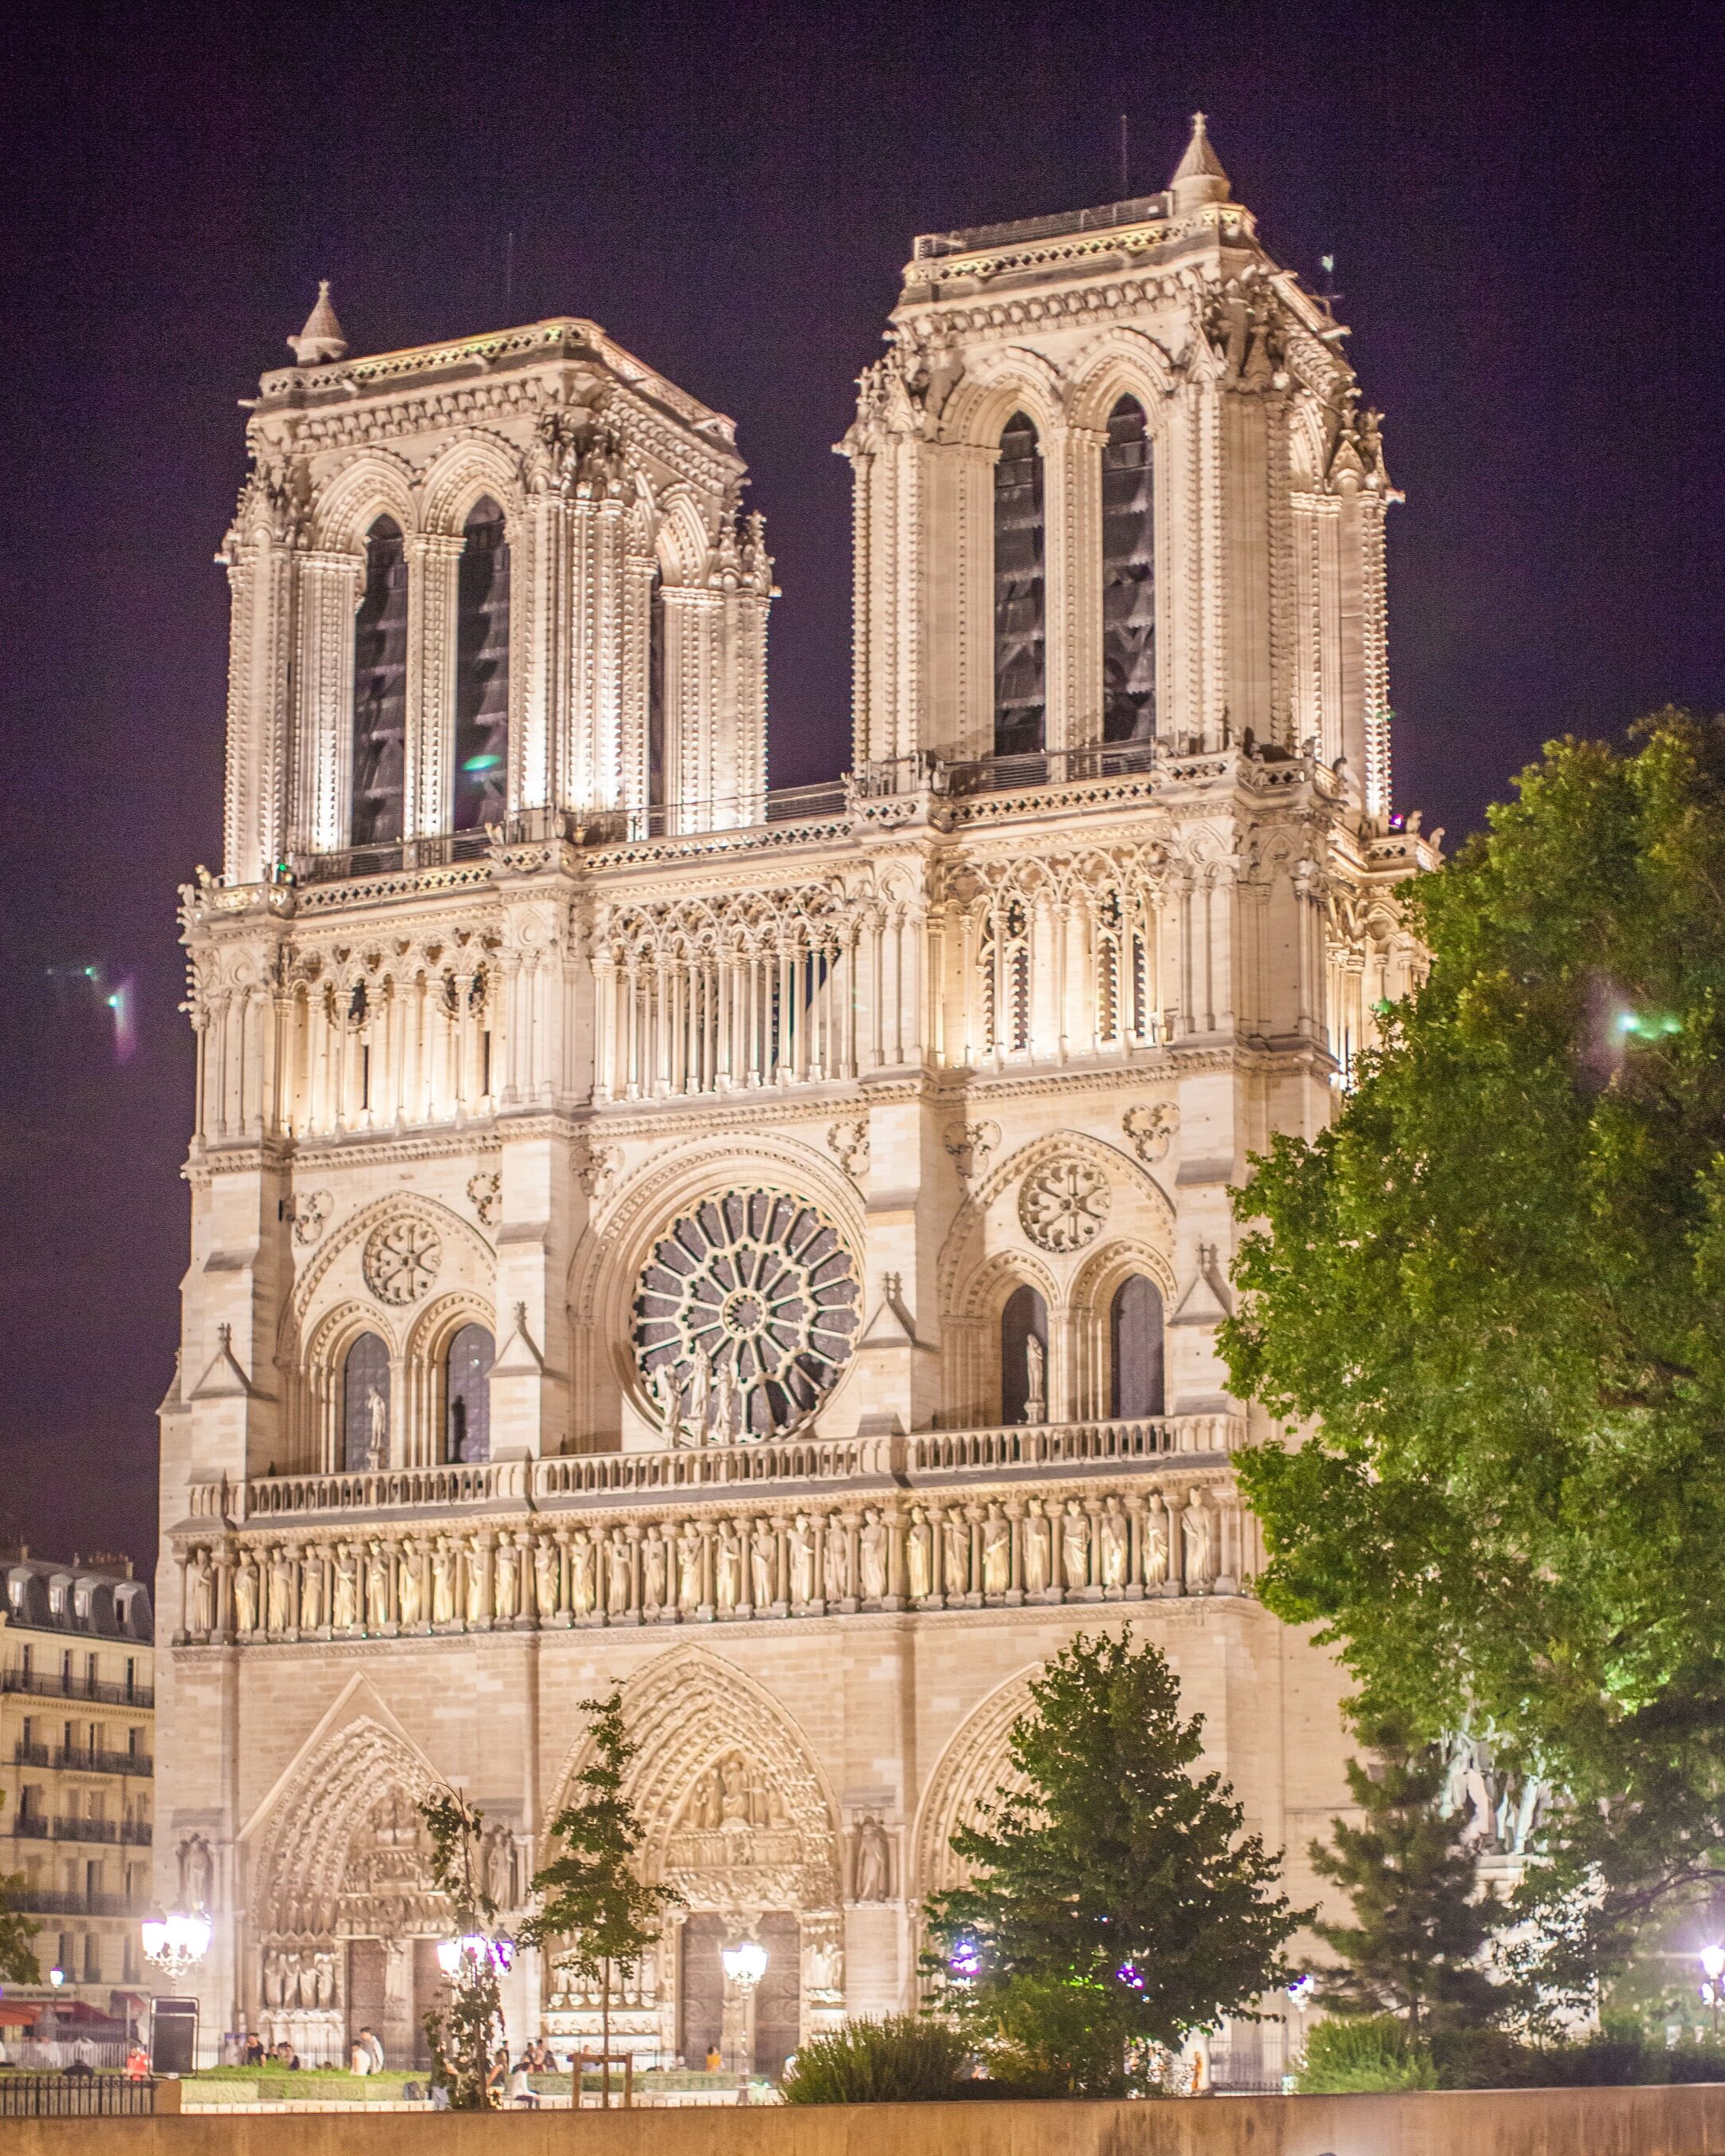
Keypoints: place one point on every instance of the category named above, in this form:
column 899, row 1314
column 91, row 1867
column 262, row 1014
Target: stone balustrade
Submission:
column 637, row 1477
column 913, row 1528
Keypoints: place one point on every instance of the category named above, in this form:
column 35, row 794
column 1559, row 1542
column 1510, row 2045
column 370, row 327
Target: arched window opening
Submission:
column 380, row 690
column 1135, row 1345
column 482, row 670
column 1024, row 1358
column 1020, row 596
column 365, row 1406
column 467, row 1394
column 655, row 693
column 1128, row 577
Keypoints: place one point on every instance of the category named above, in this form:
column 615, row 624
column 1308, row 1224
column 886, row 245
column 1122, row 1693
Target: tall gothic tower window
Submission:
column 1128, row 577
column 1024, row 1368
column 482, row 671
column 655, row 693
column 1135, row 1325
column 1021, row 593
column 380, row 689
column 365, row 1405
column 467, row 1394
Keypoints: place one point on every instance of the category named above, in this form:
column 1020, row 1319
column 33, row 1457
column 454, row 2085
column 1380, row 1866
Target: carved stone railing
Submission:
column 955, row 1519
column 570, row 1479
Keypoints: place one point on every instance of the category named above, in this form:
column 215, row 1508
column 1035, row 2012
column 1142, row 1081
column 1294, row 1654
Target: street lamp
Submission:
column 1712, row 1964
column 176, row 1942
column 744, row 1966
column 1300, row 1991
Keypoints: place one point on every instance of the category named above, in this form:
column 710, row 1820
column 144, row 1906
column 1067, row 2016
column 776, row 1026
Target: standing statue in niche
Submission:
column 725, row 1404
column 583, row 1594
column 654, row 1567
column 499, row 1870
column 618, row 1567
column 545, row 1569
column 1037, row 1560
column 200, row 1594
column 801, row 1543
column 1155, row 1565
column 872, row 1861
column 919, row 1557
column 763, row 1565
column 407, row 1585
column 443, row 1584
column 377, row 1429
column 955, row 1556
column 245, row 1596
column 378, row 1586
column 1035, row 1380
column 727, row 1580
column 505, row 1593
column 1075, row 1547
column 701, row 1393
column 667, row 1398
column 1196, row 1527
column 476, row 1596
column 198, row 1874
column 996, row 1556
column 837, row 1564
column 871, row 1544
column 1114, row 1545
column 311, row 1591
column 689, row 1569
column 346, row 1598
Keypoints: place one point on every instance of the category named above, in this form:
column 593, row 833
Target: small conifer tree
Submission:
column 1116, row 1905
column 598, row 1916
column 1412, row 1949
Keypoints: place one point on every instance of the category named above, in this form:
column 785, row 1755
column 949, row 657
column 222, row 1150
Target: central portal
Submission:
column 777, row 1999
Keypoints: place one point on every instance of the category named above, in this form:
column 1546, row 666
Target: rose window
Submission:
column 745, row 1315
column 401, row 1261
column 1062, row 1205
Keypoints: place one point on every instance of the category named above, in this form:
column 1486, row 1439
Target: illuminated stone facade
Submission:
column 764, row 1250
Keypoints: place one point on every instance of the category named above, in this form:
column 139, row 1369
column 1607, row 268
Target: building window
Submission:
column 1128, row 577
column 1024, row 1358
column 482, row 671
column 380, row 690
column 1020, row 608
column 468, row 1392
column 655, row 693
column 1135, row 1323
column 365, row 1405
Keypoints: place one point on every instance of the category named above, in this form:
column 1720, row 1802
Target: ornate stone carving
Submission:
column 310, row 1212
column 746, row 1314
column 1063, row 1205
column 401, row 1260
column 850, row 1141
column 485, row 1193
column 970, row 1145
column 1151, row 1127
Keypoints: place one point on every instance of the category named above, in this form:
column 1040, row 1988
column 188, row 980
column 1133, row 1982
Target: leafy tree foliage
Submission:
column 1413, row 1947
column 903, row 2058
column 598, row 1915
column 1496, row 1285
column 1116, row 1904
column 463, row 2036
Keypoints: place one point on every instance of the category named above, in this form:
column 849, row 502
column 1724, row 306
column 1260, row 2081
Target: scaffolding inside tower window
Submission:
column 1128, row 577
column 380, row 690
column 1021, row 593
column 482, row 671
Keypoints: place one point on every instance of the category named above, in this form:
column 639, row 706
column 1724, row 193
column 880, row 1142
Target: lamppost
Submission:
column 1300, row 1991
column 744, row 1966
column 1712, row 1964
column 176, row 1942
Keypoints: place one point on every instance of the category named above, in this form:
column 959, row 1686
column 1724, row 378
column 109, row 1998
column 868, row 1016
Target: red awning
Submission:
column 14, row 2013
column 78, row 2009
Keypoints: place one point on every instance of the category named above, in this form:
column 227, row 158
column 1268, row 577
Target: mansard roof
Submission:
column 101, row 1601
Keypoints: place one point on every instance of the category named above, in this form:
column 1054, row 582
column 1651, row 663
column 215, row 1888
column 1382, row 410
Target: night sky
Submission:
column 1522, row 205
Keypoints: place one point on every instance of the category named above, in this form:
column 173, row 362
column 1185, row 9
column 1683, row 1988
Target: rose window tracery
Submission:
column 1061, row 1206
column 746, row 1314
column 401, row 1261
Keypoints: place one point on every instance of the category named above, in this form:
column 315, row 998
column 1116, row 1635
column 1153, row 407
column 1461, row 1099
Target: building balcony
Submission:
column 55, row 1684
column 87, row 1760
column 33, row 1902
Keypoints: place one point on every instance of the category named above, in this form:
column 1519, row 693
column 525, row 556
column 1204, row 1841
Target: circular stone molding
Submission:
column 1062, row 1206
column 745, row 1315
column 401, row 1261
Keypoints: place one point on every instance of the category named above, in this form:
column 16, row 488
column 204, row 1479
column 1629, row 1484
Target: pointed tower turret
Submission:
column 1198, row 177
column 322, row 339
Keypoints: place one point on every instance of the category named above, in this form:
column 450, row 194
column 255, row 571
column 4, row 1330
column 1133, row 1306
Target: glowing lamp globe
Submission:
column 746, row 1964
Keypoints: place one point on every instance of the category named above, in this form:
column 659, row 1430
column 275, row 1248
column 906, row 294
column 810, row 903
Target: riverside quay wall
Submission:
column 1637, row 2122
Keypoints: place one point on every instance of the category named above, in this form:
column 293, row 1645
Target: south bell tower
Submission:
column 761, row 1249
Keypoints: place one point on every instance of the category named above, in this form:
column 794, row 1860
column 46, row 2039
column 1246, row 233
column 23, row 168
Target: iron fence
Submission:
column 76, row 2096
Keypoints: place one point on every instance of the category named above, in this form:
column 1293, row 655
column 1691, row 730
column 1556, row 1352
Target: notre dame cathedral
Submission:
column 761, row 1249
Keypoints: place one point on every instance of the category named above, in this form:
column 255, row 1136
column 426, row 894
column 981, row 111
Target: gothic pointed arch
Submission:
column 378, row 481
column 737, row 1813
column 970, row 1771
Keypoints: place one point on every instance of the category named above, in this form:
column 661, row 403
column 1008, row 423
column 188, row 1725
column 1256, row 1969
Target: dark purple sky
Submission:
column 1522, row 202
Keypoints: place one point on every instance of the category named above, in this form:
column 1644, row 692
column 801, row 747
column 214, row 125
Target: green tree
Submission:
column 1495, row 1286
column 17, row 1960
column 464, row 2035
column 1414, row 1943
column 1116, row 1904
column 598, row 1915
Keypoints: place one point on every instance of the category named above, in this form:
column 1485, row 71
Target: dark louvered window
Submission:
column 1020, row 608
column 482, row 671
column 655, row 694
column 1136, row 1324
column 365, row 1405
column 468, row 1392
column 1128, row 577
column 380, row 689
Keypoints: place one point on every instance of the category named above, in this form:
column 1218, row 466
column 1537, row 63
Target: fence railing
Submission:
column 34, row 1902
column 75, row 2095
column 91, row 1760
column 55, row 1684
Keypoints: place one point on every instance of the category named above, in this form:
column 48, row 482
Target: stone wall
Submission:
column 1650, row 2121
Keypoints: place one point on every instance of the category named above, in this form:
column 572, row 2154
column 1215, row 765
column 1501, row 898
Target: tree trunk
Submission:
column 605, row 2037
